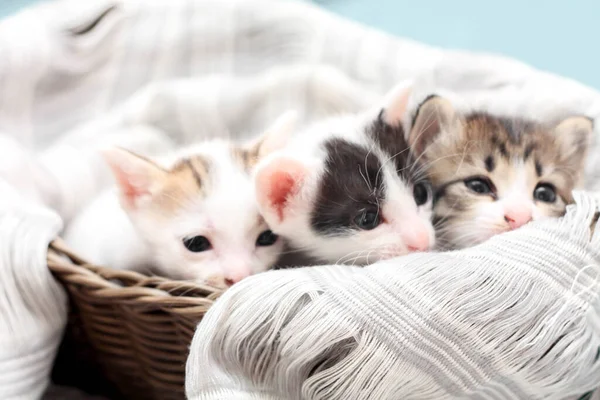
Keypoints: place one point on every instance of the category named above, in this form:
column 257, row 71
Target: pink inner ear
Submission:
column 129, row 191
column 279, row 182
column 282, row 185
column 396, row 105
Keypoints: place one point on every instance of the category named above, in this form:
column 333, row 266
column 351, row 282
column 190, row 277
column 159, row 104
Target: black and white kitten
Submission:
column 347, row 189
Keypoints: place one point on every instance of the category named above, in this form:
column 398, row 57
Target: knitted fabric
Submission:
column 517, row 317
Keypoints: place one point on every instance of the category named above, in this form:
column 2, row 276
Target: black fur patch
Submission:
column 494, row 139
column 528, row 151
column 538, row 168
column 392, row 141
column 414, row 118
column 502, row 150
column 489, row 163
column 349, row 184
column 195, row 173
column 512, row 128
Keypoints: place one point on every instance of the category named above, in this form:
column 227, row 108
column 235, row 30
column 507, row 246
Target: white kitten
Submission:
column 193, row 216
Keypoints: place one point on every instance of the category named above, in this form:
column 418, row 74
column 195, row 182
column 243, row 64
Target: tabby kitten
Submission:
column 493, row 174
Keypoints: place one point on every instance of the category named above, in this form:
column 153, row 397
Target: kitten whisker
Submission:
column 350, row 256
column 388, row 160
column 428, row 124
column 366, row 169
column 429, row 163
column 365, row 179
column 359, row 255
column 295, row 250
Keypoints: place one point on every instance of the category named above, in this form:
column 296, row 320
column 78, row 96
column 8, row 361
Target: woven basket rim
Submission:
column 126, row 329
column 176, row 296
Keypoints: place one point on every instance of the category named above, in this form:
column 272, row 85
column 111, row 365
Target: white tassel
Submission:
column 33, row 306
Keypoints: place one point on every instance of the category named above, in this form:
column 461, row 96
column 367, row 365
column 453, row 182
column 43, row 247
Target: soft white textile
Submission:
column 149, row 75
column 517, row 317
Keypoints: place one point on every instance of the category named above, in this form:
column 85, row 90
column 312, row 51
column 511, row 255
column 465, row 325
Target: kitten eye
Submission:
column 545, row 192
column 421, row 192
column 266, row 238
column 479, row 185
column 197, row 244
column 367, row 220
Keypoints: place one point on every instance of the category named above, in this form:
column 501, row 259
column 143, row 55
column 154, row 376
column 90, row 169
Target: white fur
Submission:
column 105, row 234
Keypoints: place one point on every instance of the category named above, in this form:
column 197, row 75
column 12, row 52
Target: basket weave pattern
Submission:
column 139, row 327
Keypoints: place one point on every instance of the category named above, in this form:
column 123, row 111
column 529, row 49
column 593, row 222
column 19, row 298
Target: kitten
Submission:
column 493, row 174
column 346, row 190
column 192, row 216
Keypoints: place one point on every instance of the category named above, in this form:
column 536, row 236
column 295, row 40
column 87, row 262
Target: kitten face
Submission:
column 198, row 213
column 347, row 190
column 492, row 174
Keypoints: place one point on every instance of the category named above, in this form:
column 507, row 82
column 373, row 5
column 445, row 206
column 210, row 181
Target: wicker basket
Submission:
column 135, row 329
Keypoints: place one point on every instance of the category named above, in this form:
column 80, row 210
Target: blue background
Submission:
column 10, row 6
column 556, row 36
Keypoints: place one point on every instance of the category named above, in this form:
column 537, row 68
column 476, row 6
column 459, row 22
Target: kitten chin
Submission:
column 494, row 174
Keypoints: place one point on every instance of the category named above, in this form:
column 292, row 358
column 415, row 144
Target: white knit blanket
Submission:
column 517, row 317
column 150, row 75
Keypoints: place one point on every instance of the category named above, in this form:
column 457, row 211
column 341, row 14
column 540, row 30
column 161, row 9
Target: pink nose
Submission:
column 416, row 237
column 517, row 219
column 234, row 275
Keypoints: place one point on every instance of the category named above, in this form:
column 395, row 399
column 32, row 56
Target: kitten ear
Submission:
column 434, row 116
column 395, row 103
column 573, row 136
column 277, row 135
column 135, row 176
column 278, row 183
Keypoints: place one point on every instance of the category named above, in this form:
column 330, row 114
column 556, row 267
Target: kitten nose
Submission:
column 516, row 219
column 416, row 237
column 229, row 282
column 236, row 274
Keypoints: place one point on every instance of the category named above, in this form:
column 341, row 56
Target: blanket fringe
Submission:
column 515, row 318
